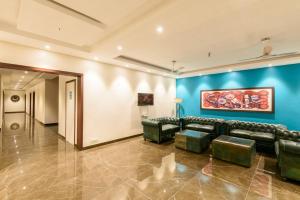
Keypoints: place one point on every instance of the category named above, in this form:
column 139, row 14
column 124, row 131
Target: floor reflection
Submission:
column 36, row 163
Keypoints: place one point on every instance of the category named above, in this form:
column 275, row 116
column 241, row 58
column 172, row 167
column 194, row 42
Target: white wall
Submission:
column 62, row 103
column 39, row 90
column 46, row 101
column 9, row 105
column 1, row 102
column 110, row 92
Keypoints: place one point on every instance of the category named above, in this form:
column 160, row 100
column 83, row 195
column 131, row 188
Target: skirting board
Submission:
column 14, row 112
column 112, row 141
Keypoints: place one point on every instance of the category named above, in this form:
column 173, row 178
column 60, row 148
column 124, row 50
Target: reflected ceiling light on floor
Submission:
column 200, row 74
column 120, row 48
column 230, row 70
column 26, row 72
column 127, row 65
column 96, row 58
column 22, row 76
column 47, row 47
column 159, row 29
column 270, row 65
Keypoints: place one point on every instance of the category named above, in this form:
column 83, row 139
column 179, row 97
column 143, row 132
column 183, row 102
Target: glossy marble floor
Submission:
column 35, row 163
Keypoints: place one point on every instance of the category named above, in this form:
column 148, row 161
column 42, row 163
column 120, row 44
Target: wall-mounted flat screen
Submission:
column 145, row 99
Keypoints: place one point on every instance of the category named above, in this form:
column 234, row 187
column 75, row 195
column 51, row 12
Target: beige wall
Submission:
column 110, row 92
column 10, row 106
column 51, row 103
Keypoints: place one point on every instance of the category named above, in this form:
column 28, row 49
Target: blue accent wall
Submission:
column 285, row 80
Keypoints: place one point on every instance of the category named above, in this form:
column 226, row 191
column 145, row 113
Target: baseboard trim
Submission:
column 14, row 112
column 51, row 124
column 110, row 142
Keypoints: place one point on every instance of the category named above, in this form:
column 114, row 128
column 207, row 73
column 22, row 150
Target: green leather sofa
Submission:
column 160, row 129
column 287, row 149
column 263, row 134
column 213, row 126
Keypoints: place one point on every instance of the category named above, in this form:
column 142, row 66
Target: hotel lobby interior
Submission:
column 149, row 99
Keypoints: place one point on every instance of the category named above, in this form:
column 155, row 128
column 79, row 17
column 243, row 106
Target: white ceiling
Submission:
column 231, row 30
column 21, row 80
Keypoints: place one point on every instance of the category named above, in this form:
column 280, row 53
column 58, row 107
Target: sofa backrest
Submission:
column 201, row 120
column 167, row 120
column 254, row 126
column 288, row 135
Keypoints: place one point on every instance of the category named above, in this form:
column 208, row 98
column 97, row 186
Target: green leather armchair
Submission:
column 263, row 134
column 213, row 126
column 160, row 129
column 287, row 149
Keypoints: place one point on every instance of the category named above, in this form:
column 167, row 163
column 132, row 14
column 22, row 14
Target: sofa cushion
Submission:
column 289, row 146
column 241, row 133
column 169, row 127
column 261, row 136
column 205, row 128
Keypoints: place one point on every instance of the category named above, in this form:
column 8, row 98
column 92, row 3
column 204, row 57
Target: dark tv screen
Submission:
column 145, row 99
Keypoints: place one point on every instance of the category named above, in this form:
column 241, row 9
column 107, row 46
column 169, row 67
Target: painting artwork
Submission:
column 145, row 99
column 244, row 99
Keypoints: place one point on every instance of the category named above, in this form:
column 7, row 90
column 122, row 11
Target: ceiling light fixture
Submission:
column 120, row 48
column 159, row 29
column 47, row 47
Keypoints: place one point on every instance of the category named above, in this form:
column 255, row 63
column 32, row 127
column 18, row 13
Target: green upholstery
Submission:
column 233, row 149
column 288, row 153
column 213, row 126
column 160, row 129
column 190, row 140
column 263, row 134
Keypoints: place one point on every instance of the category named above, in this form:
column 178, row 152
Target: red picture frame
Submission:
column 259, row 99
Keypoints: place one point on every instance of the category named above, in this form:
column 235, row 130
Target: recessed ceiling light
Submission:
column 47, row 47
column 148, row 70
column 270, row 65
column 96, row 58
column 22, row 76
column 120, row 48
column 159, row 29
column 26, row 72
column 127, row 65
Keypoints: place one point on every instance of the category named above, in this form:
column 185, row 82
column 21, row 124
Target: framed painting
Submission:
column 244, row 99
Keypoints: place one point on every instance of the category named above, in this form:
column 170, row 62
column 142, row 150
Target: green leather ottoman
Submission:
column 190, row 140
column 240, row 151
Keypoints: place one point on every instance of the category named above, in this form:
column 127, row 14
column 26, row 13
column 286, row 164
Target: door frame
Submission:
column 79, row 88
column 33, row 104
column 70, row 81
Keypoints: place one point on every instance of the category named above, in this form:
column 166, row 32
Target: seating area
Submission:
column 231, row 140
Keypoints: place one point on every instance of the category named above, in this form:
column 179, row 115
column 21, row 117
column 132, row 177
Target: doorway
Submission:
column 70, row 107
column 78, row 100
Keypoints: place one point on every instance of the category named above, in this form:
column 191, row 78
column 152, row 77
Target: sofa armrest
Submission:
column 147, row 122
column 288, row 146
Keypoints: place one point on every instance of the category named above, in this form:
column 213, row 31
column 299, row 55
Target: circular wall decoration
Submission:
column 15, row 98
column 14, row 126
